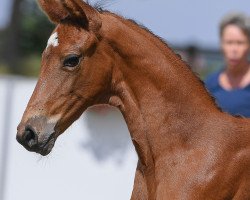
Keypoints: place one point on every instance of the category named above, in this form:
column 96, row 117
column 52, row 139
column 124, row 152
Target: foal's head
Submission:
column 75, row 74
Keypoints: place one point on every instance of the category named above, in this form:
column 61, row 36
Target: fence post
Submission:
column 6, row 136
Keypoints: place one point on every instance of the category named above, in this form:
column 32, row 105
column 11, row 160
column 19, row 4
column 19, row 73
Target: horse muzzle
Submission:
column 37, row 135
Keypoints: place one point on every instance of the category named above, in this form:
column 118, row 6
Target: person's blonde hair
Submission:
column 238, row 19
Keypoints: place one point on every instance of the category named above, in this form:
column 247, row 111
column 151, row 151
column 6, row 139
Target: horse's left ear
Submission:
column 83, row 13
column 54, row 10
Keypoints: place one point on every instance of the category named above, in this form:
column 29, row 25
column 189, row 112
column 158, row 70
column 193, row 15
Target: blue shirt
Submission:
column 235, row 102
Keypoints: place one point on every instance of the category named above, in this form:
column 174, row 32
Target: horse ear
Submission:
column 54, row 9
column 83, row 13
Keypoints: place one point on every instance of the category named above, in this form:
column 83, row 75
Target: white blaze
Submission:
column 53, row 40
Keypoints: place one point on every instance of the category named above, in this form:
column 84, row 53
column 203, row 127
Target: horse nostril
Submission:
column 30, row 137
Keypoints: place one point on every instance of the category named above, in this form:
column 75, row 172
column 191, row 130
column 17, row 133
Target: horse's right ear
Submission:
column 84, row 13
column 54, row 9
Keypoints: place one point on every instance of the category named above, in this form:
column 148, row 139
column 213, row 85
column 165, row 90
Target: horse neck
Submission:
column 161, row 99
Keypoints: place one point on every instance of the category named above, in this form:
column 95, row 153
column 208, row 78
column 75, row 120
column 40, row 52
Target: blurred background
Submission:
column 94, row 159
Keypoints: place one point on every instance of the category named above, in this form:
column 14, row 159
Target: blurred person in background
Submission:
column 231, row 85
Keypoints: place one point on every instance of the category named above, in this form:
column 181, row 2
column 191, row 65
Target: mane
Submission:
column 99, row 6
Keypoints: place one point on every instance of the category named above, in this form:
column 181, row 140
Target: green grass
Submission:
column 28, row 66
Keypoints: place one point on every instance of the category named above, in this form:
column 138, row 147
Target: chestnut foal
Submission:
column 187, row 148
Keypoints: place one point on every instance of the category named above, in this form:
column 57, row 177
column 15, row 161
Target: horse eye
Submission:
column 71, row 61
